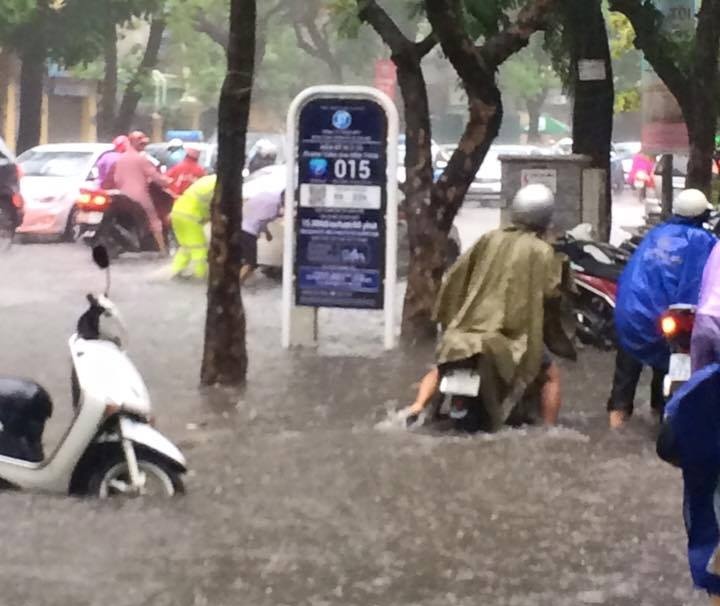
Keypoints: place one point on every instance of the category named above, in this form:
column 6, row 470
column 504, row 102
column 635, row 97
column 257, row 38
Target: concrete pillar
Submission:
column 156, row 134
column 9, row 72
column 88, row 125
column 44, row 119
column 593, row 197
column 8, row 128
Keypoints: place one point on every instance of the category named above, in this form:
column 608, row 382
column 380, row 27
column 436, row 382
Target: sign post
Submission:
column 340, row 246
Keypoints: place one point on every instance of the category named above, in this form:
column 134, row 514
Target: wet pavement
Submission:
column 305, row 490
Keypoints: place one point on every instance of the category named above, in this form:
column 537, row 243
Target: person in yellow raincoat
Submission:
column 190, row 213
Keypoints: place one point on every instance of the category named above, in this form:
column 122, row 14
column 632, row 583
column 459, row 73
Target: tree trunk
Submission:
column 32, row 87
column 476, row 69
column 702, row 120
column 225, row 355
column 427, row 242
column 534, row 109
column 133, row 92
column 108, row 99
column 594, row 99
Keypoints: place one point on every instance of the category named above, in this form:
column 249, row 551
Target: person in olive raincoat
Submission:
column 500, row 303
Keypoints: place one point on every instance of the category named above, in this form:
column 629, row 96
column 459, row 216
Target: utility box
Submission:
column 579, row 190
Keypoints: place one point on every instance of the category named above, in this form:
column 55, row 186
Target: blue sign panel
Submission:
column 340, row 221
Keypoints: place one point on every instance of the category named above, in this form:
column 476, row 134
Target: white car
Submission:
column 51, row 177
column 271, row 179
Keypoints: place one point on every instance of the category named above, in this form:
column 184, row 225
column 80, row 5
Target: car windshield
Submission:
column 36, row 163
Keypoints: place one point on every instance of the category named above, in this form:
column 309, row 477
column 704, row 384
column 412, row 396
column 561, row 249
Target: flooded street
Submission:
column 303, row 491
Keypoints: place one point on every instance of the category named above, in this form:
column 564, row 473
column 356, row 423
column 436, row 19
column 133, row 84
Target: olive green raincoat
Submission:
column 502, row 300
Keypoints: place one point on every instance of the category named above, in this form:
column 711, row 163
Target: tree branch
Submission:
column 533, row 17
column 457, row 45
column 318, row 46
column 370, row 12
column 220, row 34
column 133, row 91
column 217, row 33
column 426, row 44
column 656, row 47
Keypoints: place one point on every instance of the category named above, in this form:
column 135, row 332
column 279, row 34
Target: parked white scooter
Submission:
column 111, row 447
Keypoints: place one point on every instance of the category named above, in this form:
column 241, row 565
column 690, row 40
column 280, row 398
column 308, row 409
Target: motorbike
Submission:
column 597, row 267
column 676, row 325
column 460, row 403
column 111, row 447
column 109, row 218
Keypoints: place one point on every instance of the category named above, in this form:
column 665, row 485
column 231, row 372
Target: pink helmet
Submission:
column 120, row 143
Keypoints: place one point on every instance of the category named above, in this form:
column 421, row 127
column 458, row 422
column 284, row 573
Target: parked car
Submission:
column 50, row 184
column 11, row 202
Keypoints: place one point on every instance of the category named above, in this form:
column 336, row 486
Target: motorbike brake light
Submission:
column 676, row 327
column 88, row 200
column 669, row 326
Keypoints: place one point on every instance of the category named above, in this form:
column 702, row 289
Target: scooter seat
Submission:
column 25, row 406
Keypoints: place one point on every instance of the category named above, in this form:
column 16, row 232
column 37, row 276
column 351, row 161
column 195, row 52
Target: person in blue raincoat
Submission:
column 690, row 439
column 666, row 269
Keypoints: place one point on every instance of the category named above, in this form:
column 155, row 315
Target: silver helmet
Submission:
column 533, row 207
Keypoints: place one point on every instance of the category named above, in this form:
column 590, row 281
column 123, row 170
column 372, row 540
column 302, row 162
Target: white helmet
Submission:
column 265, row 148
column 533, row 207
column 691, row 203
column 175, row 144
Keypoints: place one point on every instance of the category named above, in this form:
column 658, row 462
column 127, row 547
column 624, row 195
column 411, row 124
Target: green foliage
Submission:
column 626, row 63
column 529, row 74
column 14, row 13
column 488, row 17
column 74, row 30
column 627, row 100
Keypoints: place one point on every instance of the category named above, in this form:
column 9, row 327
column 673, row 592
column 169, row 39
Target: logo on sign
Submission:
column 318, row 167
column 342, row 119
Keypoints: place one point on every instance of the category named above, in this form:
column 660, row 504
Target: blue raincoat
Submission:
column 666, row 269
column 693, row 442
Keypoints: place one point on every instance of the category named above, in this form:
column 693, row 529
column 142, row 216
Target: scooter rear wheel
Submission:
column 113, row 480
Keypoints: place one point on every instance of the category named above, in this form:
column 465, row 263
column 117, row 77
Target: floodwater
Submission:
column 305, row 488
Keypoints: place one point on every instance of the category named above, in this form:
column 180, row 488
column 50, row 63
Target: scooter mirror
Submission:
column 100, row 256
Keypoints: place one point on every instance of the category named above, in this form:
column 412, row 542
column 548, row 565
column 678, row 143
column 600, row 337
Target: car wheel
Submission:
column 72, row 229
column 8, row 224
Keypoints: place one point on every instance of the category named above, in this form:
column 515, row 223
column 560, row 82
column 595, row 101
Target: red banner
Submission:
column 386, row 77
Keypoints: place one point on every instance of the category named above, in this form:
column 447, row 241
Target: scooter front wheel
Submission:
column 159, row 479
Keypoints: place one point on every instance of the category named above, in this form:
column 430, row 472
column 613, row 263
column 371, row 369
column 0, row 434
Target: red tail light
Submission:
column 669, row 326
column 676, row 326
column 93, row 201
column 18, row 201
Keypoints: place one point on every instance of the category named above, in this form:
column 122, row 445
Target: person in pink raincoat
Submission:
column 705, row 344
column 133, row 175
column 642, row 169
